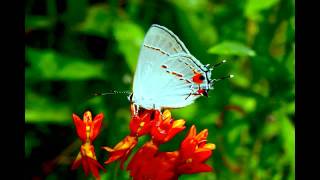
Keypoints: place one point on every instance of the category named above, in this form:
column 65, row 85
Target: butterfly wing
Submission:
column 160, row 37
column 177, row 86
column 165, row 71
column 158, row 45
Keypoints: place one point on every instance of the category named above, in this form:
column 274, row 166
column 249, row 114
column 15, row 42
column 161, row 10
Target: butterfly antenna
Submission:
column 218, row 64
column 110, row 93
column 222, row 78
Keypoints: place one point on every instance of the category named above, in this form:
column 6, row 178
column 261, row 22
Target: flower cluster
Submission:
column 148, row 162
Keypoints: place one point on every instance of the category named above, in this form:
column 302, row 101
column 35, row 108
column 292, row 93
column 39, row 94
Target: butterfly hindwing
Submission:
column 177, row 87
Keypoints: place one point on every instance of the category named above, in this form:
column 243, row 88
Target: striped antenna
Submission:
column 222, row 78
column 218, row 64
column 111, row 93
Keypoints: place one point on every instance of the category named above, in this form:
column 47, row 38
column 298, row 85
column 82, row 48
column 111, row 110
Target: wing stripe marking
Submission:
column 157, row 49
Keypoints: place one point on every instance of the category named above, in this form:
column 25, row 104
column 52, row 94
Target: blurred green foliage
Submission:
column 76, row 48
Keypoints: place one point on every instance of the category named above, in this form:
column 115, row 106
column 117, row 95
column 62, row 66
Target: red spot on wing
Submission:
column 202, row 92
column 197, row 78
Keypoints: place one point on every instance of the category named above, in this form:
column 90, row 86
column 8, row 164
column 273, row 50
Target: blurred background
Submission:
column 76, row 48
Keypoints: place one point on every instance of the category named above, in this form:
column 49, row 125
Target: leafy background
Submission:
column 76, row 48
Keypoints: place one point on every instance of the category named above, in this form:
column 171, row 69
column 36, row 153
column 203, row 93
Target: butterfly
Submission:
column 167, row 74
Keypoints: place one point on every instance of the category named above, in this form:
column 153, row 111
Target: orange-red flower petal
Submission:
column 88, row 129
column 141, row 157
column 164, row 128
column 96, row 126
column 122, row 150
column 87, row 158
column 140, row 124
column 80, row 127
column 192, row 168
column 194, row 151
column 148, row 163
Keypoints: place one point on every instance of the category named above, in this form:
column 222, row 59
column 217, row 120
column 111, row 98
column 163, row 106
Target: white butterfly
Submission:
column 167, row 75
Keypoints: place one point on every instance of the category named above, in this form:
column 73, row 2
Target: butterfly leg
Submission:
column 188, row 96
column 136, row 109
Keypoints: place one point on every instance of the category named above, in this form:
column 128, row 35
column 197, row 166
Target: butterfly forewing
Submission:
column 164, row 40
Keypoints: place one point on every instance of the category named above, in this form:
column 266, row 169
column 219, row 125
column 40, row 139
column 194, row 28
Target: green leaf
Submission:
column 98, row 21
column 207, row 175
column 129, row 37
column 253, row 7
column 208, row 33
column 231, row 48
column 271, row 128
column 240, row 80
column 288, row 137
column 38, row 22
column 48, row 64
column 43, row 110
column 191, row 6
column 187, row 112
column 234, row 134
column 247, row 103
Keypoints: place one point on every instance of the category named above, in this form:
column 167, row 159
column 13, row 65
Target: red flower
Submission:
column 87, row 131
column 121, row 150
column 164, row 128
column 140, row 124
column 194, row 151
column 88, row 159
column 148, row 163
